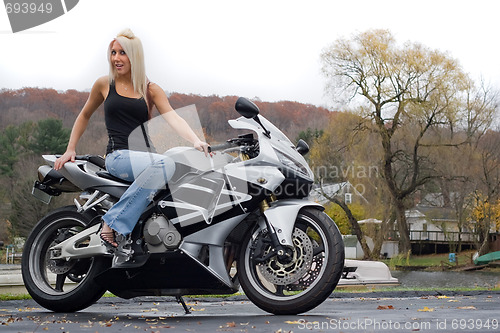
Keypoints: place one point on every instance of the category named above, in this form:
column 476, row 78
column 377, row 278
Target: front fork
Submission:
column 278, row 249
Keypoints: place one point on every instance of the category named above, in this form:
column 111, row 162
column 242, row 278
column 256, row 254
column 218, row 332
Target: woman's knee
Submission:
column 166, row 163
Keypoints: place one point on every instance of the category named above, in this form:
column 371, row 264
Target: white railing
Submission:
column 439, row 236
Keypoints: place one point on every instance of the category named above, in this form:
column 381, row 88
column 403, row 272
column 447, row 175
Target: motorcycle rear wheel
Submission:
column 60, row 285
column 288, row 288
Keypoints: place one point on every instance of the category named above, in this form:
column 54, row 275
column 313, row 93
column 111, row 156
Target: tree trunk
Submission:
column 382, row 234
column 398, row 199
column 353, row 222
column 367, row 254
column 484, row 248
column 379, row 240
column 404, row 232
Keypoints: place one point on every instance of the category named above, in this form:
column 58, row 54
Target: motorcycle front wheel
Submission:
column 60, row 285
column 305, row 278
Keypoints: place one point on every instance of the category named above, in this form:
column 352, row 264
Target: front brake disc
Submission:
column 280, row 273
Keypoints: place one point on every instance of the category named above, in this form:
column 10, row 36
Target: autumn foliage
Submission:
column 34, row 104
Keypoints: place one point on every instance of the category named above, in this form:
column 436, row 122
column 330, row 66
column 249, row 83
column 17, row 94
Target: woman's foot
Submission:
column 108, row 236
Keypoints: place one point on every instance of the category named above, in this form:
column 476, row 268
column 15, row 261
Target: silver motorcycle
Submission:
column 239, row 219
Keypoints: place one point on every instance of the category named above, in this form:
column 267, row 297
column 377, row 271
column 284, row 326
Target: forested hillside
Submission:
column 34, row 104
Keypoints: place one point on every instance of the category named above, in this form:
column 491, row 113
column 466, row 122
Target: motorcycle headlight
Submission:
column 292, row 163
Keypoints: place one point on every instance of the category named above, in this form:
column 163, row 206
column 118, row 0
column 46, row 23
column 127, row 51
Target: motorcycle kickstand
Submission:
column 180, row 300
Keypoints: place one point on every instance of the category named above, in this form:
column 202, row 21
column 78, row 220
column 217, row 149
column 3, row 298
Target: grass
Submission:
column 403, row 289
column 430, row 260
column 11, row 297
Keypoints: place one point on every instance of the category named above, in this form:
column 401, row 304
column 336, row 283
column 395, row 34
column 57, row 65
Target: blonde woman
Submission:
column 128, row 99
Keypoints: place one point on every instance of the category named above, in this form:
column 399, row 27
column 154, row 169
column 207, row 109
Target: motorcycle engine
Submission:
column 160, row 234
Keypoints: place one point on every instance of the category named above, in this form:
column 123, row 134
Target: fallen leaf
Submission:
column 442, row 296
column 295, row 322
column 385, row 307
column 426, row 309
column 193, row 309
column 232, row 324
column 467, row 308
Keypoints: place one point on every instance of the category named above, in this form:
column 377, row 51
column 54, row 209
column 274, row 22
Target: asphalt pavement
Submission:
column 475, row 311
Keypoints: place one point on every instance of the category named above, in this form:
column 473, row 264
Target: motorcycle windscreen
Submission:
column 199, row 187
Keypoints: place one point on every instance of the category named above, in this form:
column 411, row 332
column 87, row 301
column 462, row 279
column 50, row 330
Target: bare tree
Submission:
column 407, row 92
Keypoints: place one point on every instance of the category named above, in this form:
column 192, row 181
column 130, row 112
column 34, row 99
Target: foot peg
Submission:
column 123, row 251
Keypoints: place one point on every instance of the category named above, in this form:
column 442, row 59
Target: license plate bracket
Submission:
column 39, row 194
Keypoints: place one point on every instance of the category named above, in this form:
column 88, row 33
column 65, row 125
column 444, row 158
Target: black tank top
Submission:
column 122, row 115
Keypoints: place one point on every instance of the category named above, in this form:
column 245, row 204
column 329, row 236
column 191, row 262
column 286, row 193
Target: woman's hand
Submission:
column 69, row 155
column 202, row 146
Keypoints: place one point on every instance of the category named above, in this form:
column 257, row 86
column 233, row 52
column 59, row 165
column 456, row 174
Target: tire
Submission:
column 300, row 285
column 60, row 285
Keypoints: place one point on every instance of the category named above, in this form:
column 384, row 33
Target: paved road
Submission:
column 369, row 312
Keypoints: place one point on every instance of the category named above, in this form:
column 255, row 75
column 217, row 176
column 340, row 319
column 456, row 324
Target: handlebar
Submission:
column 222, row 146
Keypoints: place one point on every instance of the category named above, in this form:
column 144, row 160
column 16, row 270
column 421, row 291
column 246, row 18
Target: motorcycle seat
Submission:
column 107, row 175
column 94, row 159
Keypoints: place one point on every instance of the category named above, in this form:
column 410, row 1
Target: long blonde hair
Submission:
column 132, row 46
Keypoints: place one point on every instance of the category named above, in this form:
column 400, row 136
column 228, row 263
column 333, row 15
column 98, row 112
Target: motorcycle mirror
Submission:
column 246, row 108
column 249, row 110
column 302, row 147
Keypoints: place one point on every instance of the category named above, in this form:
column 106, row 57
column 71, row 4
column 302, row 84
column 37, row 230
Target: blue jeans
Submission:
column 149, row 172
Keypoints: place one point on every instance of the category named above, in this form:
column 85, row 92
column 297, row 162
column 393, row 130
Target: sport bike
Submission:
column 239, row 220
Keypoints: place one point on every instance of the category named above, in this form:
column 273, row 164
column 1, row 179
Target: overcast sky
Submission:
column 267, row 49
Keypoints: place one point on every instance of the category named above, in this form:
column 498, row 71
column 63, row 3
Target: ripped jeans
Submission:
column 149, row 172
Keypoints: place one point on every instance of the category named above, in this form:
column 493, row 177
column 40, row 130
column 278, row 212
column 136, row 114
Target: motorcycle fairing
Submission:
column 277, row 141
column 202, row 195
column 167, row 274
column 199, row 255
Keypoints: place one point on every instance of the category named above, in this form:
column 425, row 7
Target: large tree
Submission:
column 50, row 137
column 20, row 150
column 486, row 210
column 407, row 93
